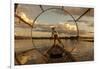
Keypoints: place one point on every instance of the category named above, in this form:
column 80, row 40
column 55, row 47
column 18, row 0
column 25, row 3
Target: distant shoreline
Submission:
column 90, row 39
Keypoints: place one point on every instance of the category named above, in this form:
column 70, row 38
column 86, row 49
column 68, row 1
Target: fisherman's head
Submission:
column 53, row 27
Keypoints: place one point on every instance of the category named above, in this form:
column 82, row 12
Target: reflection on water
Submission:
column 83, row 50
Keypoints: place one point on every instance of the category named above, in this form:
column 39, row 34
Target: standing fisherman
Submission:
column 55, row 36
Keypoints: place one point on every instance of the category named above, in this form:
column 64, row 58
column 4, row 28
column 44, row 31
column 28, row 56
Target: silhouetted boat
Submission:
column 58, row 54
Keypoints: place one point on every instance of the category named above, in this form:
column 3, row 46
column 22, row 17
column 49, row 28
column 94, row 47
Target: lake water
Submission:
column 84, row 51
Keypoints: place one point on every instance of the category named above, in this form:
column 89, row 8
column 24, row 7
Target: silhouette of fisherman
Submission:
column 55, row 36
column 57, row 51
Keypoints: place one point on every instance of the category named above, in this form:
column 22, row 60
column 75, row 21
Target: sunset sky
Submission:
column 59, row 18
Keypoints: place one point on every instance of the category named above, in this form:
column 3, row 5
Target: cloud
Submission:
column 60, row 28
column 29, row 12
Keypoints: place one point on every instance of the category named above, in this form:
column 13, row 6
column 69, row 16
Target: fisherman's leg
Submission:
column 60, row 42
column 54, row 41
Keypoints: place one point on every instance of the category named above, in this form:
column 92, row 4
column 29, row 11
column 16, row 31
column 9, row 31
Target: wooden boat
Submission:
column 58, row 54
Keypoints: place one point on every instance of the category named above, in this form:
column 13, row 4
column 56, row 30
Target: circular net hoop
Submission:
column 50, row 9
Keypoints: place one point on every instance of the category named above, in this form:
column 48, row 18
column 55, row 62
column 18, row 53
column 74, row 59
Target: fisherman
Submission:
column 55, row 36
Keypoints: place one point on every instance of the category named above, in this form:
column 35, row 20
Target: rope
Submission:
column 82, row 14
column 41, row 8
